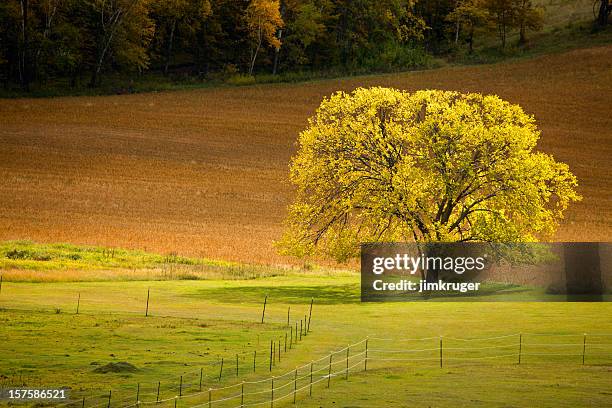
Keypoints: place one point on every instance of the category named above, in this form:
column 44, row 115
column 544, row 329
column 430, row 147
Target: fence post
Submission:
column 305, row 325
column 520, row 347
column 83, row 404
column 440, row 351
column 365, row 361
column 300, row 330
column 158, row 385
column 273, row 353
column 270, row 355
column 279, row 351
column 329, row 373
column 310, row 313
column 221, row 370
column 110, row 393
column 296, row 332
column 254, row 359
column 347, row 362
column 311, row 379
column 78, row 303
column 1, row 283
column 201, row 375
column 209, row 397
column 181, row 387
column 583, row 347
column 285, row 342
column 137, row 393
column 236, row 365
column 291, row 337
column 272, row 397
column 288, row 311
column 147, row 310
column 242, row 395
column 263, row 313
column 294, row 385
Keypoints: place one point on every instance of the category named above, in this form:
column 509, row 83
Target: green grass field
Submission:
column 193, row 323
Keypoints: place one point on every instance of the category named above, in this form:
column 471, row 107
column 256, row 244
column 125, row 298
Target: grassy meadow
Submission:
column 192, row 324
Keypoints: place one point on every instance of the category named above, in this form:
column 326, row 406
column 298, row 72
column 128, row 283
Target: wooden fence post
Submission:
column 209, row 397
column 147, row 309
column 365, row 361
column 263, row 313
column 329, row 373
column 254, row 359
column 440, row 351
column 272, row 397
column 291, row 337
column 158, row 385
column 221, row 369
column 288, row 311
column 311, row 379
column 310, row 313
column 583, row 347
column 520, row 347
column 294, row 385
column 242, row 395
column 236, row 365
column 347, row 362
column 201, row 375
column 110, row 393
column 270, row 355
column 78, row 303
column 285, row 342
column 181, row 387
column 137, row 393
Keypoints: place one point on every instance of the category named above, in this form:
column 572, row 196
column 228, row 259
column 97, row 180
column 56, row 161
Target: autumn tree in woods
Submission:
column 468, row 17
column 263, row 20
column 121, row 29
column 382, row 165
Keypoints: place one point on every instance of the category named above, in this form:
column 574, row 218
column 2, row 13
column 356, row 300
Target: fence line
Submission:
column 356, row 357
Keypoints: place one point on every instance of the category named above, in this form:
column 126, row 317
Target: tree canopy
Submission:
column 380, row 165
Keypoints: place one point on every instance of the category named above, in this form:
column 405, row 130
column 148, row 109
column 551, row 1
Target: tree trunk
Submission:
column 256, row 52
column 169, row 47
column 276, row 54
column 24, row 63
column 457, row 32
column 602, row 17
column 522, row 36
column 471, row 40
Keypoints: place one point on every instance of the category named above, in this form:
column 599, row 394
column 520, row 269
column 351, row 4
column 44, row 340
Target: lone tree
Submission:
column 380, row 165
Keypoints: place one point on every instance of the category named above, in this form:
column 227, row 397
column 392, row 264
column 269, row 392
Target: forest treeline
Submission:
column 84, row 40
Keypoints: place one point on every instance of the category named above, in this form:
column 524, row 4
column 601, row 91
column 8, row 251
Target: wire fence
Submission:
column 194, row 383
column 372, row 353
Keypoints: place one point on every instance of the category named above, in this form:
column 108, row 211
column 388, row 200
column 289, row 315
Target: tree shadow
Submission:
column 322, row 294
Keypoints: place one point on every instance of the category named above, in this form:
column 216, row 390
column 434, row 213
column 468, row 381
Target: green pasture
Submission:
column 192, row 324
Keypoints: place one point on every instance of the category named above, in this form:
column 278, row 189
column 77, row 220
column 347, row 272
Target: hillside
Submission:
column 204, row 172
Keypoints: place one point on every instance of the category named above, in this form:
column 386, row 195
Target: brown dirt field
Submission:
column 204, row 172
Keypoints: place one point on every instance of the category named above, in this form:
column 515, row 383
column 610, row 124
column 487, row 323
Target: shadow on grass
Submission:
column 322, row 294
